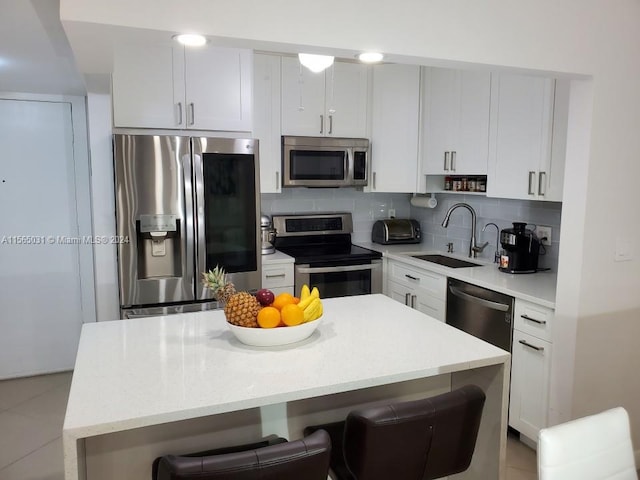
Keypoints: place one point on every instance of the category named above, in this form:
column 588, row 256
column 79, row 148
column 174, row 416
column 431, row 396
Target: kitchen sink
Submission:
column 446, row 261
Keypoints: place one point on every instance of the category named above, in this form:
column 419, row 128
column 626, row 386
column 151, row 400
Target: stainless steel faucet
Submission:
column 473, row 248
column 496, row 254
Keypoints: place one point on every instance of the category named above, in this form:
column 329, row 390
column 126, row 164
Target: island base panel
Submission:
column 129, row 454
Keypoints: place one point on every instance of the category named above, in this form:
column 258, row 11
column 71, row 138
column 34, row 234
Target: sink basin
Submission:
column 446, row 261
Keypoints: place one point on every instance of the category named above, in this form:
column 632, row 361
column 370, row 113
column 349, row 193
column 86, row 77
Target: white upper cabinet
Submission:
column 218, row 88
column 266, row 119
column 394, row 128
column 455, row 121
column 168, row 86
column 520, row 145
column 331, row 103
column 143, row 87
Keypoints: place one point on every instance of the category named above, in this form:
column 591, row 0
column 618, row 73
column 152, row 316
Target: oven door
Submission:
column 341, row 280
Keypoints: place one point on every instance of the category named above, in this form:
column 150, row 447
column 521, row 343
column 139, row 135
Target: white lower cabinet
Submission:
column 420, row 289
column 530, row 368
column 278, row 277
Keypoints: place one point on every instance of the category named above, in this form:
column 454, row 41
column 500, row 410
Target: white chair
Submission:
column 597, row 447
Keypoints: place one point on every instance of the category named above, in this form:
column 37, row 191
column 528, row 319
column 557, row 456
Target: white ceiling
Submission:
column 35, row 56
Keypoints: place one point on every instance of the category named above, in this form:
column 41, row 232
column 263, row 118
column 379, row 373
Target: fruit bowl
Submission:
column 272, row 337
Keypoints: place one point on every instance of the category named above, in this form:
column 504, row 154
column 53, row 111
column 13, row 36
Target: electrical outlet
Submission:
column 544, row 234
column 392, row 213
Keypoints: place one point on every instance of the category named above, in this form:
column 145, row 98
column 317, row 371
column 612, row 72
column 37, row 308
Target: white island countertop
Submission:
column 537, row 287
column 147, row 373
column 154, row 370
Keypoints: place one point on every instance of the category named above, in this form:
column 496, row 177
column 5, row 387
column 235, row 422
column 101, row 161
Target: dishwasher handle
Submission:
column 502, row 307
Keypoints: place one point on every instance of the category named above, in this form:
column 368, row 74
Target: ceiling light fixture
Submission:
column 370, row 57
column 315, row 63
column 191, row 39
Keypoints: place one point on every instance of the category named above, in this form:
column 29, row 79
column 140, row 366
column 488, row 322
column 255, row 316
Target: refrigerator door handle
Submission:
column 198, row 219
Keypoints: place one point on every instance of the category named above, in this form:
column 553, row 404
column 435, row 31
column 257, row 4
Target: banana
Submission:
column 315, row 292
column 303, row 304
column 313, row 310
column 304, row 292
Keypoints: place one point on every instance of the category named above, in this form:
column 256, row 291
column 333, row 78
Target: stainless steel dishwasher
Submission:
column 480, row 312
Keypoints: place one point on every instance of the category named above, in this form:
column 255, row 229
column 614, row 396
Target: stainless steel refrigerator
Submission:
column 184, row 205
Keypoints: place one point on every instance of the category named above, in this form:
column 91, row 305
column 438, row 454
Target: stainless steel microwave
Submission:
column 324, row 162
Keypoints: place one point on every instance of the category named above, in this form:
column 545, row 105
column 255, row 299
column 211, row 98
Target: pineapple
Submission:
column 240, row 308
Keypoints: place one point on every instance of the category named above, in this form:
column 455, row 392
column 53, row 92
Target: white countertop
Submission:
column 277, row 257
column 147, row 371
column 539, row 288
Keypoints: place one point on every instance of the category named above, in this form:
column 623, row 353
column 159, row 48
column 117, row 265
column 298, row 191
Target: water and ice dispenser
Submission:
column 158, row 246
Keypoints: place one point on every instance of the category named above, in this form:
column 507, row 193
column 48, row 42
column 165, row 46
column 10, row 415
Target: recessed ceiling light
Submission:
column 370, row 57
column 191, row 39
column 315, row 63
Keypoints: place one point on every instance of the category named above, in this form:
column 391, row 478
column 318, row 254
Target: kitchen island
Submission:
column 145, row 387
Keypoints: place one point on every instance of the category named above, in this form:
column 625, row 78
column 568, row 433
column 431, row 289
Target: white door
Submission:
column 266, row 119
column 40, row 275
column 394, row 128
column 303, row 95
column 145, row 81
column 440, row 112
column 520, row 139
column 346, row 100
column 219, row 88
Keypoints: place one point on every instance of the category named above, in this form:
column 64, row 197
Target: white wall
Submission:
column 592, row 37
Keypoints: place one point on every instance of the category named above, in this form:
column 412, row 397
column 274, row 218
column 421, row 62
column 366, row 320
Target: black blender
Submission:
column 521, row 249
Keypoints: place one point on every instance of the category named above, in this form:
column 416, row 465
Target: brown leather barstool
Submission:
column 306, row 459
column 416, row 440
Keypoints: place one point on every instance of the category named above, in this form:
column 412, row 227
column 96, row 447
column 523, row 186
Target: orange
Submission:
column 281, row 300
column 296, row 300
column 292, row 315
column 269, row 317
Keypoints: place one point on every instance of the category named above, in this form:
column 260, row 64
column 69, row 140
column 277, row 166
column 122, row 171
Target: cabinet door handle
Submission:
column 539, row 322
column 541, row 177
column 277, row 180
column 446, row 161
column 526, row 344
column 179, row 113
column 276, row 276
column 453, row 161
column 330, row 124
column 531, row 175
column 193, row 114
column 406, row 299
column 411, row 277
column 321, row 123
column 413, row 301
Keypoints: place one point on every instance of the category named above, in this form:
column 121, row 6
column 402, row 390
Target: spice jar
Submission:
column 471, row 184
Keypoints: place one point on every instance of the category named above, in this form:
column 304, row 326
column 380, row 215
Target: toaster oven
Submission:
column 395, row 231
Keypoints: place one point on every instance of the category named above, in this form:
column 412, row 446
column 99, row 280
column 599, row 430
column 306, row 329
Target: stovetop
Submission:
column 333, row 253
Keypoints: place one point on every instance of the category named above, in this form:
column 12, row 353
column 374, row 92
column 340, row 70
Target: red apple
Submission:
column 265, row 297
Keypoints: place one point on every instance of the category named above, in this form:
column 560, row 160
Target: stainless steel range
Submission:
column 324, row 255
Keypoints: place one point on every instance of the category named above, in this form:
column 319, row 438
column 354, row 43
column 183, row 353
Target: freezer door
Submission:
column 154, row 219
column 227, row 196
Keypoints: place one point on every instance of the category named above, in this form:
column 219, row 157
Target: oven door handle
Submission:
column 347, row 268
column 502, row 307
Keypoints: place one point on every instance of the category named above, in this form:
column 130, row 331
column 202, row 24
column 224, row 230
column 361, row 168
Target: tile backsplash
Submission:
column 369, row 207
column 503, row 212
column 365, row 207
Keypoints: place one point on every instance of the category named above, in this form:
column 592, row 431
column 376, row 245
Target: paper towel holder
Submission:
column 423, row 201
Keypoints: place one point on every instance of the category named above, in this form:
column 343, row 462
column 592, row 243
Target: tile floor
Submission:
column 32, row 413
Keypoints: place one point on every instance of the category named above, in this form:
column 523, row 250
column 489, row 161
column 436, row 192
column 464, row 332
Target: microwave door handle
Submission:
column 347, row 268
column 502, row 307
